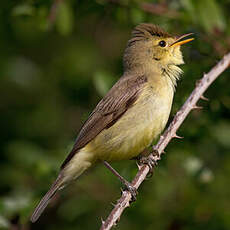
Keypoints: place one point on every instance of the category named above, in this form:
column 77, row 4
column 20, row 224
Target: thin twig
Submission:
column 170, row 133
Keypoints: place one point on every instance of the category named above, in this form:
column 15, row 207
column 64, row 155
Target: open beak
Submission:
column 180, row 42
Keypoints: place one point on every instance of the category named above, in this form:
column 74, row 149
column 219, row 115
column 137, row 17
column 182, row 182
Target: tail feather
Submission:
column 78, row 164
column 46, row 199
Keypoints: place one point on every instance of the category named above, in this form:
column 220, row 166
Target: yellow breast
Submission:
column 137, row 128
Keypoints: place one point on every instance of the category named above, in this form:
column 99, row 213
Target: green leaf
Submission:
column 23, row 10
column 103, row 82
column 211, row 15
column 4, row 223
column 65, row 18
column 189, row 6
column 207, row 13
column 222, row 133
column 137, row 15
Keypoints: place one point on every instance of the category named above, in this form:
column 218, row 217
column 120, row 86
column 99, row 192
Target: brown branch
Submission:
column 170, row 133
column 53, row 12
column 152, row 8
column 159, row 9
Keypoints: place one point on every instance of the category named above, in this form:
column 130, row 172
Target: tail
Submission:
column 46, row 199
column 73, row 169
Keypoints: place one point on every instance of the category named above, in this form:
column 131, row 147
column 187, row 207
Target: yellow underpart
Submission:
column 132, row 133
column 137, row 128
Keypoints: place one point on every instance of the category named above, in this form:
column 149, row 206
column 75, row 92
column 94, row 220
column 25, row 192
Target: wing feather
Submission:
column 120, row 97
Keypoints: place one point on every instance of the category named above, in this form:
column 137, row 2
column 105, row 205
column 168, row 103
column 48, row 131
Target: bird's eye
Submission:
column 162, row 43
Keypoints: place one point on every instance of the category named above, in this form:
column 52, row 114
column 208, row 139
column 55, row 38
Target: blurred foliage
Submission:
column 57, row 59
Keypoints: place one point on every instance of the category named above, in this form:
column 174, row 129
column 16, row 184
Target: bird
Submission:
column 134, row 111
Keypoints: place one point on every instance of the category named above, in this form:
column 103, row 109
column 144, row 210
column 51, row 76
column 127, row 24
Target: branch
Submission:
column 152, row 8
column 159, row 9
column 53, row 12
column 170, row 133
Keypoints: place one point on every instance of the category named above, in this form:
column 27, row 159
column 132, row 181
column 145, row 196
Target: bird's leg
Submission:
column 151, row 161
column 145, row 152
column 127, row 184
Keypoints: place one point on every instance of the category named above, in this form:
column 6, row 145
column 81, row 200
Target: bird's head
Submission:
column 152, row 46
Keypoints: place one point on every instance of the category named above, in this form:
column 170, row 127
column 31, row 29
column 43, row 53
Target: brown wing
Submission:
column 120, row 97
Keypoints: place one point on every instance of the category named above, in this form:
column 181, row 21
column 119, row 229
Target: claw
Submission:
column 156, row 152
column 151, row 162
column 129, row 187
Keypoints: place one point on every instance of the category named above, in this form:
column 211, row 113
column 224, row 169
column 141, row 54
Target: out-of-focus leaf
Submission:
column 32, row 28
column 23, row 10
column 189, row 6
column 121, row 14
column 137, row 15
column 103, row 82
column 15, row 203
column 211, row 15
column 41, row 17
column 206, row 176
column 222, row 133
column 207, row 13
column 23, row 72
column 65, row 18
column 193, row 165
column 24, row 153
column 4, row 223
column 69, row 212
column 30, row 156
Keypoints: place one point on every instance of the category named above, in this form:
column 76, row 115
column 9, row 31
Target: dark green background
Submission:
column 52, row 74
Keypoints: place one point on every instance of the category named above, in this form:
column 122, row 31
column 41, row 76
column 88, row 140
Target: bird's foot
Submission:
column 129, row 187
column 151, row 161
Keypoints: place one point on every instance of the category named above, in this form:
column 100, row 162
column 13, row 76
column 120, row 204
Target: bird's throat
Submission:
column 172, row 72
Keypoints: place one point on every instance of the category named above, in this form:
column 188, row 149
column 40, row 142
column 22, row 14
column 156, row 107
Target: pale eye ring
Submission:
column 162, row 43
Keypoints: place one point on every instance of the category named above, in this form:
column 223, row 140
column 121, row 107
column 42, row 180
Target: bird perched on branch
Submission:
column 134, row 111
